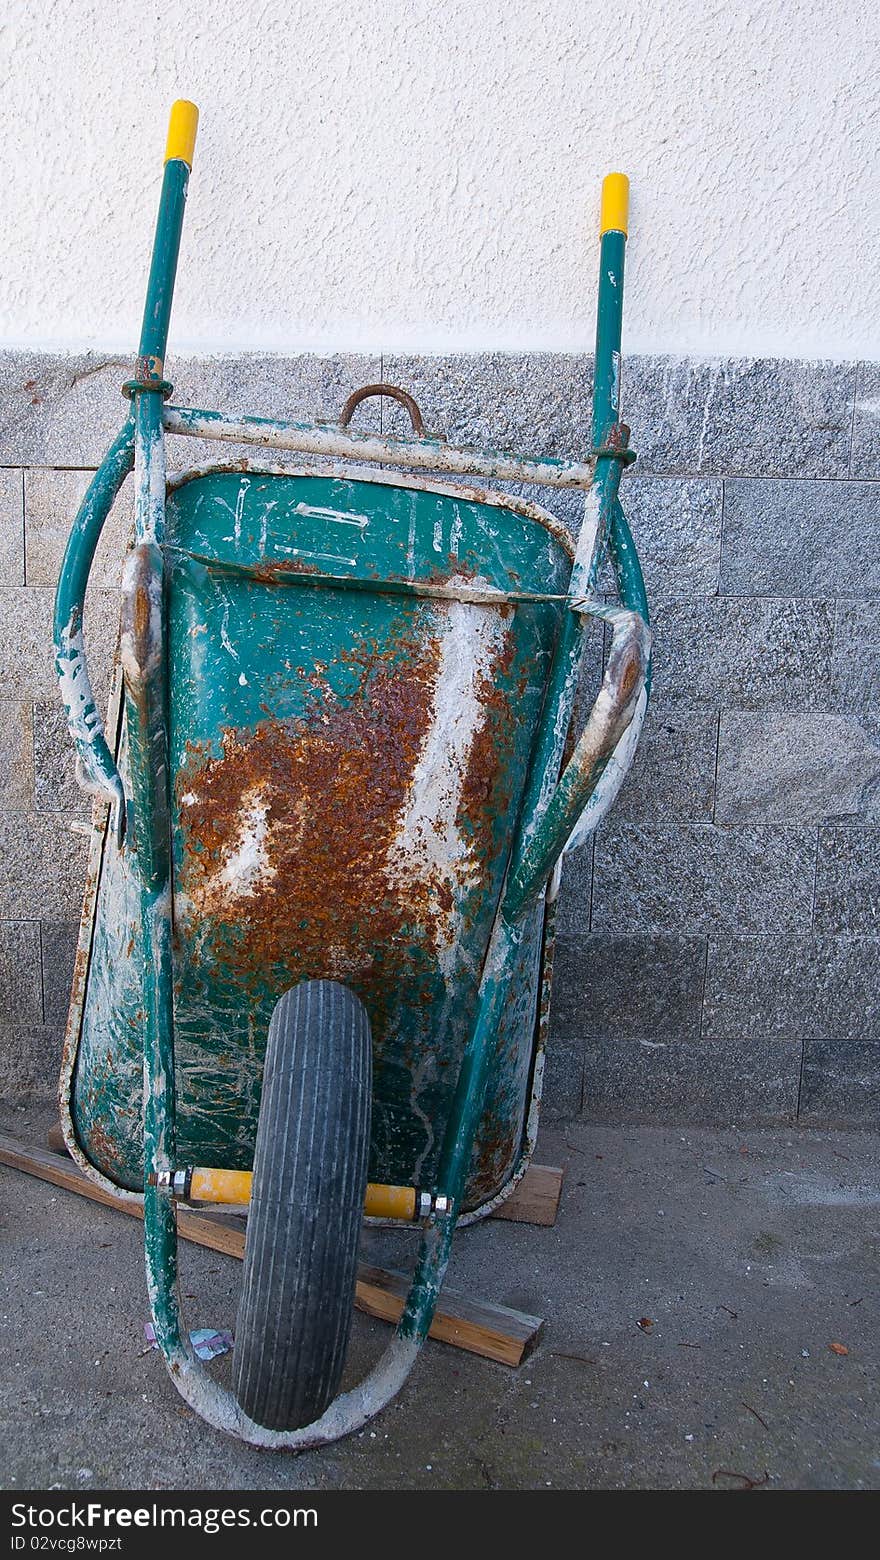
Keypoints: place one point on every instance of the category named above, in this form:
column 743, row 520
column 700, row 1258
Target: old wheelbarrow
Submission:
column 315, row 957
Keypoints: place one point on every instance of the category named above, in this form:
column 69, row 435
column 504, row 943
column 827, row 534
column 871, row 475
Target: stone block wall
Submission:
column 719, row 954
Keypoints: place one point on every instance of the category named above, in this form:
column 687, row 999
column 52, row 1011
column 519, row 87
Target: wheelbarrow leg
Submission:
column 142, row 646
column 144, row 668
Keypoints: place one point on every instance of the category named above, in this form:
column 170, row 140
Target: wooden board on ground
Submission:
column 55, row 1139
column 536, row 1199
column 492, row 1331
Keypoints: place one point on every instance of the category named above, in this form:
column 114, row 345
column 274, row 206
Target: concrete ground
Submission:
column 712, row 1320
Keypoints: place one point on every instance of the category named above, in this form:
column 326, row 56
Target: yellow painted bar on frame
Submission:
column 233, row 1187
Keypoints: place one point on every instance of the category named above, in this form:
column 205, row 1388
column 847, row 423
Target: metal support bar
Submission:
column 552, row 808
column 150, row 366
column 96, row 770
column 609, row 330
column 233, row 1188
column 526, row 869
column 411, row 454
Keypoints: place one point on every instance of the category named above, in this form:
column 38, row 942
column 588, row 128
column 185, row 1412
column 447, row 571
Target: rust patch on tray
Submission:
column 287, row 836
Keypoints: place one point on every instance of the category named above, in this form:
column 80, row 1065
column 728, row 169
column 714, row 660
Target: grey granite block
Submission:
column 42, row 867
column 305, row 388
column 21, row 1000
column 840, row 1082
column 16, row 755
column 11, row 527
column 51, row 501
column 676, row 525
column 740, row 416
column 746, row 654
column 754, row 1081
column 848, row 881
column 856, row 659
column 563, row 1080
column 696, row 878
column 673, row 773
column 26, row 654
column 535, row 403
column 101, row 632
column 64, row 409
column 634, row 984
column 26, row 664
column 796, row 768
column 60, row 408
column 54, row 786
column 800, row 987
column 801, row 538
column 58, row 942
column 759, row 416
column 31, row 1061
column 689, row 416
column 866, row 422
column 573, row 913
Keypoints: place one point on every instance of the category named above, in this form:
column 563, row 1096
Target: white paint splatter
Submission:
column 239, row 508
column 225, row 640
column 428, row 843
column 337, row 516
column 247, row 863
column 585, row 557
column 455, row 532
column 715, row 374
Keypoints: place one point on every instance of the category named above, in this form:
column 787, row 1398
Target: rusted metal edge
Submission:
column 270, row 573
column 611, row 779
column 412, row 454
column 73, row 1028
column 617, row 704
column 346, row 473
column 529, row 1134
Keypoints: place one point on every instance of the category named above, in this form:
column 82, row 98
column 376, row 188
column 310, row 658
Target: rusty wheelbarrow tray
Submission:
column 339, row 783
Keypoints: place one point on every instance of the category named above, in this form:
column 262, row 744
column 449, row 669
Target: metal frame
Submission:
column 558, row 811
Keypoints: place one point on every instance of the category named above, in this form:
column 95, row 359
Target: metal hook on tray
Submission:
column 395, row 393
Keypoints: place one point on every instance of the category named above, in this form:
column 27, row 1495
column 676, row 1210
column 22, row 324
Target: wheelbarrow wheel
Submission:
column 307, row 1201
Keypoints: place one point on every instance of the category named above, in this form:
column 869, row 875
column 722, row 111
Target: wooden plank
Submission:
column 492, row 1331
column 536, row 1199
column 60, row 1172
column 55, row 1139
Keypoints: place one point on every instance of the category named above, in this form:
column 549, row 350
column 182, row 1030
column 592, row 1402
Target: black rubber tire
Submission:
column 307, row 1203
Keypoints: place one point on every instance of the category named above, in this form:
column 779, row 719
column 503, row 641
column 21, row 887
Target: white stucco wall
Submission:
column 424, row 174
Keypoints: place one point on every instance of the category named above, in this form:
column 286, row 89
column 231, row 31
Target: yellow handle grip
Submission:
column 221, row 1186
column 233, row 1187
column 615, row 204
column 182, row 127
